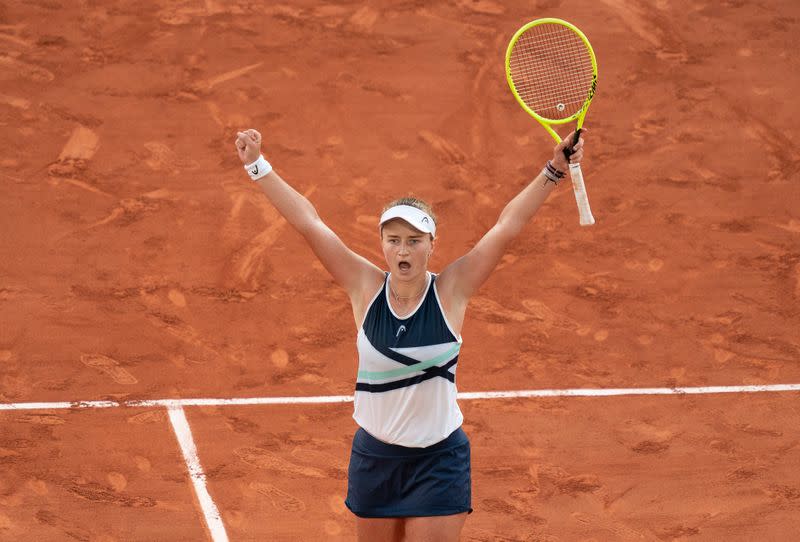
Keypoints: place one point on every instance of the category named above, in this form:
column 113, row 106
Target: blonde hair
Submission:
column 413, row 202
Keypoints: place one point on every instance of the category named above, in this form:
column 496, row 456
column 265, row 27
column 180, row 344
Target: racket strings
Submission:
column 552, row 71
column 552, row 74
column 551, row 66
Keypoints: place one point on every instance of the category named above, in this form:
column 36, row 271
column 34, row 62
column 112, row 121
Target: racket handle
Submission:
column 579, row 188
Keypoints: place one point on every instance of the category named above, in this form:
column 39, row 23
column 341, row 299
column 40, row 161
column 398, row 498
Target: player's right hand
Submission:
column 248, row 145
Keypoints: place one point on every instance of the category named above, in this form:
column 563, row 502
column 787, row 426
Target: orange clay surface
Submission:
column 137, row 261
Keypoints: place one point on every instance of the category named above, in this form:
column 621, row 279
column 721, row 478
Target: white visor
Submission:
column 417, row 218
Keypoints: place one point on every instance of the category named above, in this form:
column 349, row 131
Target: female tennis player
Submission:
column 409, row 474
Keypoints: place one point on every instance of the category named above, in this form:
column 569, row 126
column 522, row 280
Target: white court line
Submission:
column 59, row 406
column 244, row 401
column 611, row 392
column 184, row 435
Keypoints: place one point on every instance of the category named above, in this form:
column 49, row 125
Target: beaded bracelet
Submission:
column 551, row 173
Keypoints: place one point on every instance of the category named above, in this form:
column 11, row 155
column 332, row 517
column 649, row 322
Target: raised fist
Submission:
column 248, row 145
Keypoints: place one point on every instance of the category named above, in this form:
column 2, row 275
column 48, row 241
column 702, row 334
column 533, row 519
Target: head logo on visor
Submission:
column 416, row 218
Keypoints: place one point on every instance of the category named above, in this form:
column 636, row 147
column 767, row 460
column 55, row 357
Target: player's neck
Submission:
column 405, row 293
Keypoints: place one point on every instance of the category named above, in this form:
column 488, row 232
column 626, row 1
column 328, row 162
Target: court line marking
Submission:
column 183, row 433
column 244, row 401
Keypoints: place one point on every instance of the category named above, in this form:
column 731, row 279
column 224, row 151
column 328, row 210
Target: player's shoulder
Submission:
column 369, row 286
column 446, row 281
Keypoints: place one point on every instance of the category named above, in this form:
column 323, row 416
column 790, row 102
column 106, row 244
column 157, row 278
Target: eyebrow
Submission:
column 413, row 236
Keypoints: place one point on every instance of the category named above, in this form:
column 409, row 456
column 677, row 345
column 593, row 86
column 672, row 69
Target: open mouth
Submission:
column 404, row 266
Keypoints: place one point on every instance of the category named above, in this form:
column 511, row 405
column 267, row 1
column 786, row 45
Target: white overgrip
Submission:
column 581, row 198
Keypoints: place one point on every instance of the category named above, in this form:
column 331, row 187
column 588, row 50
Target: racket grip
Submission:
column 581, row 198
column 568, row 150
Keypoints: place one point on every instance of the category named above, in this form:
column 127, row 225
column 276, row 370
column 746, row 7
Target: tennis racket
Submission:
column 552, row 72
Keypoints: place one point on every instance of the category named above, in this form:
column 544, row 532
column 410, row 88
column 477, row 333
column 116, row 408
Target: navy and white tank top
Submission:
column 406, row 391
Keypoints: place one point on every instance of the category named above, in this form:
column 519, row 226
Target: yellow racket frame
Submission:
column 581, row 113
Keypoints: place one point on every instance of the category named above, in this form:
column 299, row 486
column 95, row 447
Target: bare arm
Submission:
column 465, row 275
column 353, row 272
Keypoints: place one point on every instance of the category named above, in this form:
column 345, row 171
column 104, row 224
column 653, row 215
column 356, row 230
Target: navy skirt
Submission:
column 390, row 481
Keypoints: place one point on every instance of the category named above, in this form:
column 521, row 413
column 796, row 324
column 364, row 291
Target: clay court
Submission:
column 162, row 328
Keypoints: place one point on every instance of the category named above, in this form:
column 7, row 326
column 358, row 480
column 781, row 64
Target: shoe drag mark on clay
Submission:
column 28, row 71
column 74, row 159
column 263, row 459
column 92, row 491
column 14, row 36
column 180, row 329
column 652, row 27
column 249, row 263
column 110, row 367
column 209, row 84
column 279, row 499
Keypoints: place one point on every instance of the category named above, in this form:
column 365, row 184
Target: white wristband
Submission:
column 259, row 168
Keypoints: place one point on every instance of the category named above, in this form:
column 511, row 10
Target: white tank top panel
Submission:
column 405, row 391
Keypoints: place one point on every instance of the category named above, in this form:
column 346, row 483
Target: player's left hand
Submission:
column 559, row 160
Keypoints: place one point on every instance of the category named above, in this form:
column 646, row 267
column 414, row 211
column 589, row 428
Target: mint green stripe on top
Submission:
column 422, row 365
